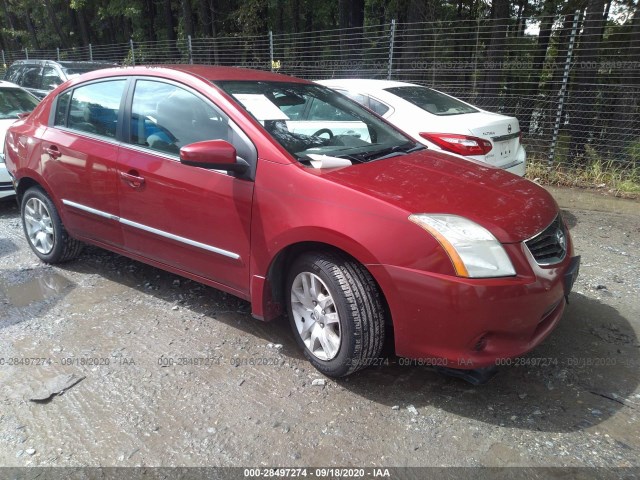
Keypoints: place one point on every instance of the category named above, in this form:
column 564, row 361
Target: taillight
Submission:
column 460, row 144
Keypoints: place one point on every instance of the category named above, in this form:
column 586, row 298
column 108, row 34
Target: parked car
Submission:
column 14, row 101
column 41, row 76
column 358, row 238
column 441, row 121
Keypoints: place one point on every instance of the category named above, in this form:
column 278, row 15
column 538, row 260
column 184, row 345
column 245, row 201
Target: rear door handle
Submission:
column 133, row 179
column 53, row 152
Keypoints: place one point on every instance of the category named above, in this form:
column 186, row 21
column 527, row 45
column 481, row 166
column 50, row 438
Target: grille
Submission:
column 550, row 245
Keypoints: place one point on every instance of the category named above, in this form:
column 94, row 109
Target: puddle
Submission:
column 36, row 290
column 574, row 198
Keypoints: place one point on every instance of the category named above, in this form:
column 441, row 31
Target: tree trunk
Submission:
column 344, row 7
column 32, row 30
column 169, row 21
column 495, row 58
column 148, row 20
column 584, row 91
column 628, row 111
column 82, row 25
column 532, row 89
column 187, row 12
column 64, row 41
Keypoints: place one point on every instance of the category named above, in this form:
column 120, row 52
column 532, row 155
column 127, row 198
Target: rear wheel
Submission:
column 44, row 230
column 336, row 312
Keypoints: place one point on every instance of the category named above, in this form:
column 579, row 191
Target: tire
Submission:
column 44, row 230
column 344, row 330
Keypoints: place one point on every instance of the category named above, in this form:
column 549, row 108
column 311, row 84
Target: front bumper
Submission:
column 462, row 323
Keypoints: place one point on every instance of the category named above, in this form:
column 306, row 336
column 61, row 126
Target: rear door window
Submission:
column 50, row 78
column 31, row 77
column 94, row 108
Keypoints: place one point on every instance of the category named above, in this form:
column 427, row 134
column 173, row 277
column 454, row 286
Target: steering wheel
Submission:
column 322, row 131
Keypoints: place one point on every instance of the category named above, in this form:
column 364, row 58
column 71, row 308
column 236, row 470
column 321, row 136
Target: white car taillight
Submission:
column 460, row 144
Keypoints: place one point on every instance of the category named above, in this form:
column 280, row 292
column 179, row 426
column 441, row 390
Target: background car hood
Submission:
column 512, row 208
column 4, row 126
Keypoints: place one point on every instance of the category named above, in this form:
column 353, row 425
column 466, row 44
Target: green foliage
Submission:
column 621, row 179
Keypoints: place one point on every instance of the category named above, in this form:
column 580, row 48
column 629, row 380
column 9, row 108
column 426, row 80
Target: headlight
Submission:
column 473, row 250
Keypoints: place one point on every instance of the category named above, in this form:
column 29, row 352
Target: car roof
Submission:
column 365, row 84
column 62, row 63
column 207, row 72
column 5, row 84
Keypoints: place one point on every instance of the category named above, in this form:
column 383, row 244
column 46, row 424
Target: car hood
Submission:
column 512, row 208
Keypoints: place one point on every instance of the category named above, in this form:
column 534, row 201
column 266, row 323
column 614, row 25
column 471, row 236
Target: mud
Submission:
column 179, row 374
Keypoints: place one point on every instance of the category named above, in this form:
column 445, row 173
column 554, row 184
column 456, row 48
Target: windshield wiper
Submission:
column 393, row 151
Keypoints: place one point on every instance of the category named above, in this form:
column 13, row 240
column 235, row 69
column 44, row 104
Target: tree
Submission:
column 584, row 88
column 496, row 54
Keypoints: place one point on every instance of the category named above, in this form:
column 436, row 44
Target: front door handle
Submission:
column 53, row 152
column 132, row 178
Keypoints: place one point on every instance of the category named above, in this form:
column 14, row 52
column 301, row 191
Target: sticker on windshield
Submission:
column 260, row 106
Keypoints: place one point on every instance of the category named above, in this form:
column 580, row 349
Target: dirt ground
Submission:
column 178, row 374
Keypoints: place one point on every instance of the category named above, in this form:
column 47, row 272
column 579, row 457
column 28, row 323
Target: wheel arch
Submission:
column 275, row 278
column 25, row 183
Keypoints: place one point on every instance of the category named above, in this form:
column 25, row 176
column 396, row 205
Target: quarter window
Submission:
column 378, row 107
column 94, row 108
column 61, row 109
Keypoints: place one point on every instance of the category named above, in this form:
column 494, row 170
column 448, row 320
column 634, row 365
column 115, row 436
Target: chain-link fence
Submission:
column 573, row 85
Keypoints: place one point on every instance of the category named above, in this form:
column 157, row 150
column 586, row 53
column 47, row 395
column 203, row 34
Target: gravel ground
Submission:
column 134, row 333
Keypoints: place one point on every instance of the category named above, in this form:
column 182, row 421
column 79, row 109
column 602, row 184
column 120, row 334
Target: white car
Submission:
column 441, row 121
column 13, row 102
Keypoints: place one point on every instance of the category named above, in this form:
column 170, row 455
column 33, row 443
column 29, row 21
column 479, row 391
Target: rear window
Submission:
column 432, row 101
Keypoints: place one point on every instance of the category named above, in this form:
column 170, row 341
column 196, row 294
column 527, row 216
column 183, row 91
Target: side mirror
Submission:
column 214, row 155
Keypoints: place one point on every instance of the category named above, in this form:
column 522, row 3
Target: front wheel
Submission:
column 44, row 230
column 336, row 312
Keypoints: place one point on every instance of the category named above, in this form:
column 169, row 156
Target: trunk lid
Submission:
column 503, row 132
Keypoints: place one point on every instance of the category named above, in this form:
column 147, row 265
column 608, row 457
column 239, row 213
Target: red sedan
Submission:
column 339, row 220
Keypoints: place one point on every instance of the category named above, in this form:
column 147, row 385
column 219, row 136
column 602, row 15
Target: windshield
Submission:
column 312, row 121
column 432, row 101
column 14, row 101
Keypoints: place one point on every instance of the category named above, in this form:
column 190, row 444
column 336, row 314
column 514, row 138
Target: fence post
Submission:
column 563, row 88
column 475, row 60
column 271, row 48
column 190, row 49
column 4, row 62
column 58, row 53
column 433, row 60
column 392, row 39
column 133, row 52
column 26, row 54
column 90, row 53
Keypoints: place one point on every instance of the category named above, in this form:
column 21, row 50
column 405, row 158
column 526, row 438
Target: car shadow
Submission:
column 583, row 373
column 570, row 218
column 9, row 208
